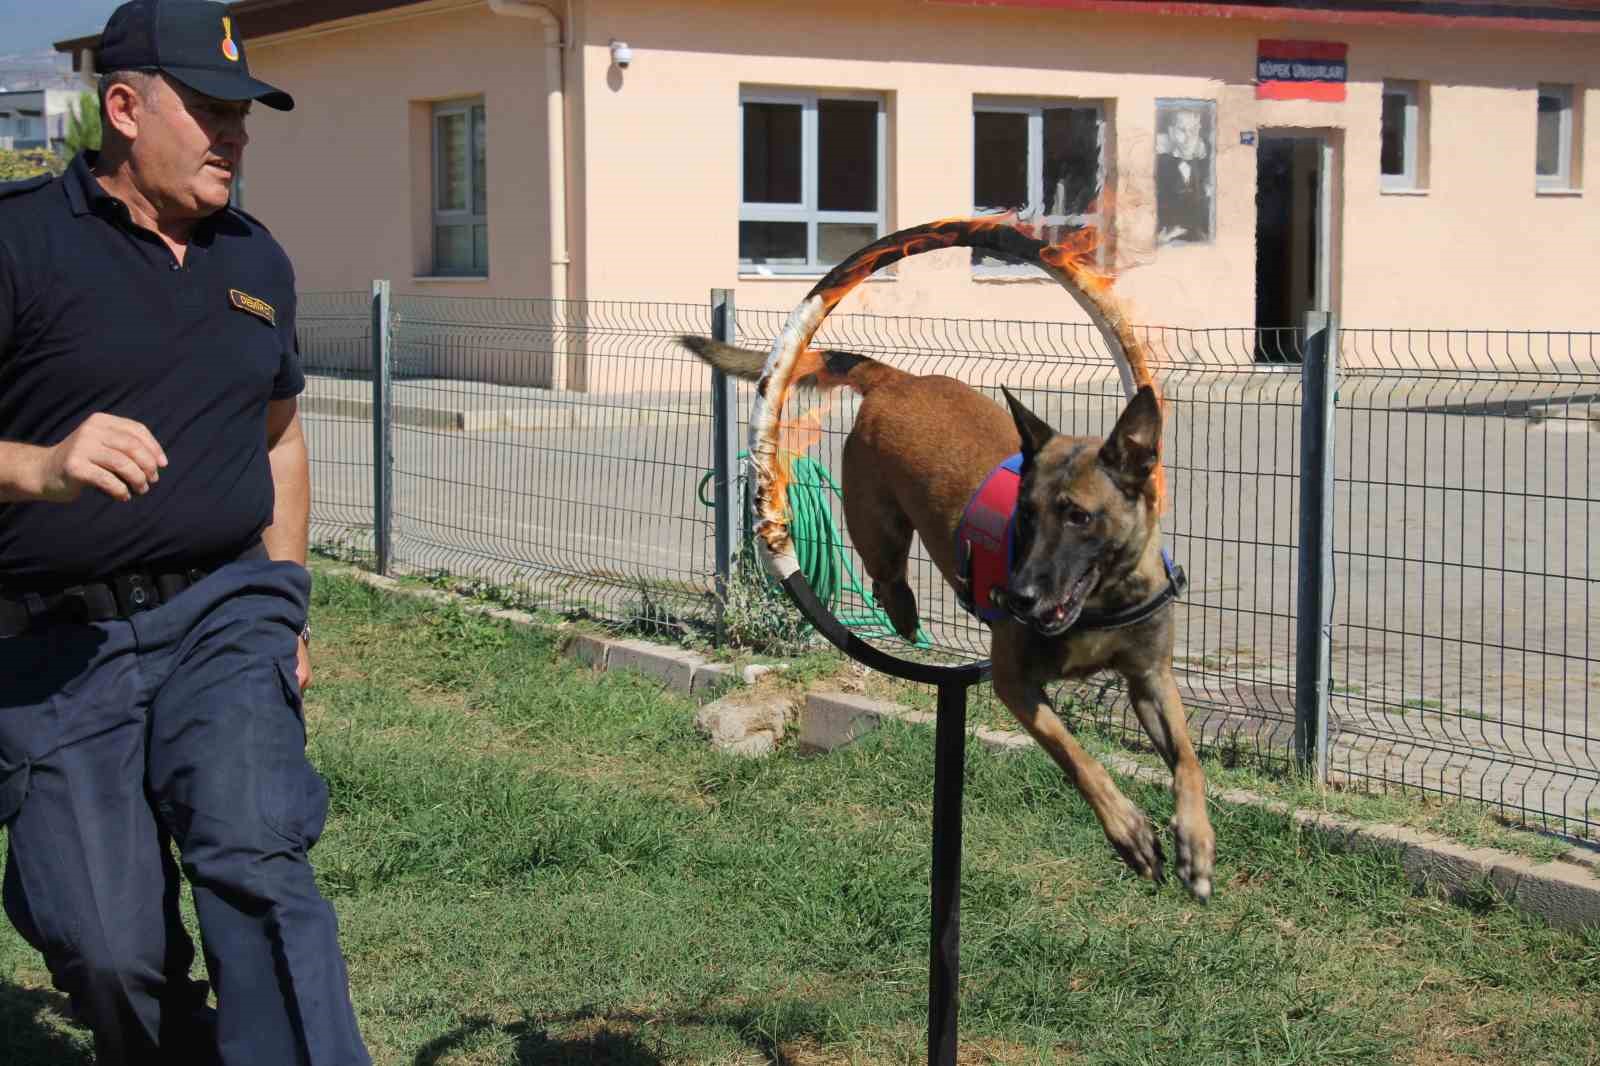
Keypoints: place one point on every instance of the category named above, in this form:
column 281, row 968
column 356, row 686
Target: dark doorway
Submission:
column 1292, row 253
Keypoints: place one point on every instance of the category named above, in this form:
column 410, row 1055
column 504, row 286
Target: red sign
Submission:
column 1301, row 70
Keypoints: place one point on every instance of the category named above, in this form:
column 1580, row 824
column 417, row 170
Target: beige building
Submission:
column 1406, row 164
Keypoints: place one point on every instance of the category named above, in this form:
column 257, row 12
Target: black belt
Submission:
column 121, row 595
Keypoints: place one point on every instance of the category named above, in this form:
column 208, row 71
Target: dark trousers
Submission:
column 179, row 725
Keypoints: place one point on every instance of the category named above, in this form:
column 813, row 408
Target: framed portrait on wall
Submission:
column 1186, row 173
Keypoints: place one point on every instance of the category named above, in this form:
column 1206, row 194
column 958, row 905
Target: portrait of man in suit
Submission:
column 1185, row 171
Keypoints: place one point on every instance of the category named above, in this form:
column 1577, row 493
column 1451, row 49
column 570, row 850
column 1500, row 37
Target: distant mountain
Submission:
column 44, row 69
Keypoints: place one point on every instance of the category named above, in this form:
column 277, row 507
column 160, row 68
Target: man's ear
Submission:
column 119, row 109
column 1035, row 431
column 1131, row 452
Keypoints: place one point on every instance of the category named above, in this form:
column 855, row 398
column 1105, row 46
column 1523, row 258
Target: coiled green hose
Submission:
column 819, row 547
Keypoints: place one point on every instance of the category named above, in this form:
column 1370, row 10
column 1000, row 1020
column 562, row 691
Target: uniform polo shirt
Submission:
column 97, row 315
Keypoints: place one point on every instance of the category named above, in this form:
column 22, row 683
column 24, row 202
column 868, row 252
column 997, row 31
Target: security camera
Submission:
column 621, row 54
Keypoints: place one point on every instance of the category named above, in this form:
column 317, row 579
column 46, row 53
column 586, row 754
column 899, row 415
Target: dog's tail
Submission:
column 819, row 368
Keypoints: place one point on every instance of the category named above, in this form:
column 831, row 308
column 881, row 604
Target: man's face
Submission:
column 189, row 148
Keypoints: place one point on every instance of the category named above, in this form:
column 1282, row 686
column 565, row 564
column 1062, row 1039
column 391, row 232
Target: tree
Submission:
column 83, row 125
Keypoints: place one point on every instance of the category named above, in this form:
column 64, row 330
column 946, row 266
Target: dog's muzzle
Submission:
column 1057, row 618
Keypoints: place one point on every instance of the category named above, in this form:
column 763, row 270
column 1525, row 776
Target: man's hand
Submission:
column 118, row 456
column 302, row 665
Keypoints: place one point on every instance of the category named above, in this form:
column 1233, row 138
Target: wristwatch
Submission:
column 305, row 633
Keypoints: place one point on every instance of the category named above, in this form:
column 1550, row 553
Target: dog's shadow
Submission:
column 600, row 1045
column 595, row 1038
column 26, row 1034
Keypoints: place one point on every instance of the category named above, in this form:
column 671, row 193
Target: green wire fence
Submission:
column 820, row 548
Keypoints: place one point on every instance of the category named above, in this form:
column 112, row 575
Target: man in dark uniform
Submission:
column 153, row 592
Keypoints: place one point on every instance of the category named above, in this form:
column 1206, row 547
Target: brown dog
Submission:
column 1088, row 538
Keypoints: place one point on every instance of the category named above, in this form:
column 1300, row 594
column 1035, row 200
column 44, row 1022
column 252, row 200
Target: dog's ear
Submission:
column 1130, row 453
column 1035, row 431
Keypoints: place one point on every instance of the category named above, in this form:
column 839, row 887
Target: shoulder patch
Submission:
column 9, row 189
column 253, row 305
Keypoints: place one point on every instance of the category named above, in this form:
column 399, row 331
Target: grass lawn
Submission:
column 533, row 864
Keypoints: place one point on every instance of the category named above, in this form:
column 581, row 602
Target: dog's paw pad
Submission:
column 1196, row 850
column 1137, row 844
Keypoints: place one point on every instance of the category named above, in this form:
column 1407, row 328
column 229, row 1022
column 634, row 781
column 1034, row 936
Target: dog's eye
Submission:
column 1075, row 515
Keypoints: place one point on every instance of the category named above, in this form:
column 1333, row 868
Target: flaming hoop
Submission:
column 1069, row 262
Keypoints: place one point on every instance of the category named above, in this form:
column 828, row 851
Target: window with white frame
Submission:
column 812, row 186
column 1553, row 157
column 1401, row 151
column 460, row 189
column 1044, row 160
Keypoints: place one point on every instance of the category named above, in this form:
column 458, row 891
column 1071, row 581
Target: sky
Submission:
column 34, row 25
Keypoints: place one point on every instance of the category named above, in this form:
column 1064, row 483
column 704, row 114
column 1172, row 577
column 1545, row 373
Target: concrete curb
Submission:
column 1564, row 892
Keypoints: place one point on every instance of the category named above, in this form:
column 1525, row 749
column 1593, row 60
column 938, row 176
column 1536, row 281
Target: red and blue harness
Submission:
column 986, row 542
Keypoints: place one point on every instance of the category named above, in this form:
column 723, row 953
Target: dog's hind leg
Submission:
column 1125, row 825
column 884, row 552
column 881, row 533
column 1160, row 710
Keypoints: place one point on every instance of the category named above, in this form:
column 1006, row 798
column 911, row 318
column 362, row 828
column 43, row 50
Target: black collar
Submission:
column 1121, row 617
column 87, row 196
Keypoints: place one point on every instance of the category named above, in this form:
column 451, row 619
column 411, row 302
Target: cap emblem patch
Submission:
column 229, row 49
column 254, row 306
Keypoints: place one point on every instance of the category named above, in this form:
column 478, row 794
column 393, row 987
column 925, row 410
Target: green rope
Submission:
column 819, row 548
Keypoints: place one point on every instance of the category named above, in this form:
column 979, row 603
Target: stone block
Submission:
column 589, row 650
column 670, row 666
column 1564, row 895
column 708, row 676
column 739, row 725
column 830, row 720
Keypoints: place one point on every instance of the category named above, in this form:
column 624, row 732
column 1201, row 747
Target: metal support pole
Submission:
column 1314, row 607
column 944, row 947
column 382, row 428
column 724, row 451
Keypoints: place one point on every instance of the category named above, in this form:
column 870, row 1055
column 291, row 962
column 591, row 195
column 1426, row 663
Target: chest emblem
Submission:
column 254, row 306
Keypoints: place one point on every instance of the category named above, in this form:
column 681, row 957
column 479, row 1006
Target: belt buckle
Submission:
column 134, row 594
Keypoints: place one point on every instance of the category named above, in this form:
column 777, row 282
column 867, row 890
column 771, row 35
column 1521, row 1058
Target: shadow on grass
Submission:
column 600, row 1038
column 600, row 1043
column 27, row 1038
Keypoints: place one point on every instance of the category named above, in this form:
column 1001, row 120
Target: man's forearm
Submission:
column 19, row 472
column 286, row 537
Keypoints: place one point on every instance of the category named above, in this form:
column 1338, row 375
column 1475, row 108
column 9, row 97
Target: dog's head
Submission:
column 1085, row 511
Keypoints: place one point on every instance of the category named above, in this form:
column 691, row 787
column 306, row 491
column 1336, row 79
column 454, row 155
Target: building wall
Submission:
column 344, row 180
column 654, row 162
column 1478, row 249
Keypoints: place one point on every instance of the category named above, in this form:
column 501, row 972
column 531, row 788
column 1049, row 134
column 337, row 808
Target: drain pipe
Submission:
column 555, row 126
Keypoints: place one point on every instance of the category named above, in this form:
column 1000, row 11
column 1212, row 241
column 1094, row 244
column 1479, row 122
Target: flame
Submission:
column 1075, row 257
column 945, row 233
column 796, row 436
column 1077, row 253
column 799, row 435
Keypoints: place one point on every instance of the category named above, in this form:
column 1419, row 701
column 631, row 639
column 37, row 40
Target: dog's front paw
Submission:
column 1130, row 833
column 1196, row 845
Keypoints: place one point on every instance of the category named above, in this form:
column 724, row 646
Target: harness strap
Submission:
column 986, row 556
column 986, row 540
column 1123, row 617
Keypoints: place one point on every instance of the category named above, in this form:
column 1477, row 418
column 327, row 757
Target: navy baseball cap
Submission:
column 193, row 41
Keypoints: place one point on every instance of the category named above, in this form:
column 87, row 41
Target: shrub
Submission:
column 17, row 164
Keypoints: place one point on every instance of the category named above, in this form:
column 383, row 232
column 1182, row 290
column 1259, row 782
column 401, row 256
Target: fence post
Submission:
column 382, row 428
column 1314, row 603
column 724, row 451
